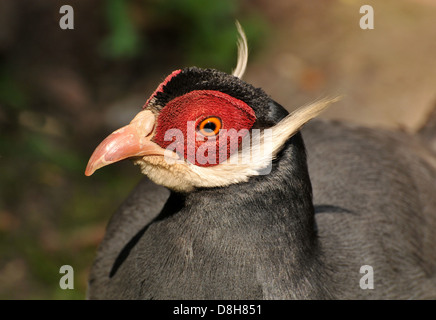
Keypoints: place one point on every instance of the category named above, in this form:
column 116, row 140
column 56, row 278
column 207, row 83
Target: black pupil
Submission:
column 209, row 127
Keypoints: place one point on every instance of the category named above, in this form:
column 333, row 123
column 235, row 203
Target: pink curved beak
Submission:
column 133, row 140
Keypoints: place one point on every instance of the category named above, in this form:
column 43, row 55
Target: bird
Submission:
column 323, row 209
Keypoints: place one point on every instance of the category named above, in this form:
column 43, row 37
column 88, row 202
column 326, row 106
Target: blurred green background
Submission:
column 63, row 91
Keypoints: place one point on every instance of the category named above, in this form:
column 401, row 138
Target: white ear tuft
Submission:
column 260, row 152
column 242, row 52
column 293, row 122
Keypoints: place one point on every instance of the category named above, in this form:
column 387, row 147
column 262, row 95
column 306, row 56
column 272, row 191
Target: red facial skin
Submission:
column 196, row 106
column 161, row 86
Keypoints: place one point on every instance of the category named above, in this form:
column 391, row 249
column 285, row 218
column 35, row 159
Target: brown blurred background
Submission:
column 63, row 91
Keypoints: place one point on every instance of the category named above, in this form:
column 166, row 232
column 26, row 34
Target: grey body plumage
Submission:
column 373, row 204
column 344, row 198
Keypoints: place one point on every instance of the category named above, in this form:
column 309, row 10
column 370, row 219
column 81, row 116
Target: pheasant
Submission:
column 236, row 205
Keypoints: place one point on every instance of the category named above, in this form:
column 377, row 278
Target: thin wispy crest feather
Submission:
column 241, row 65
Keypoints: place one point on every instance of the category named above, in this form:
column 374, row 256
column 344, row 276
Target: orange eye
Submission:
column 210, row 126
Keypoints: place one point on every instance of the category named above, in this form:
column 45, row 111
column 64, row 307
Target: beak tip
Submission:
column 92, row 167
column 129, row 141
column 95, row 162
column 89, row 172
